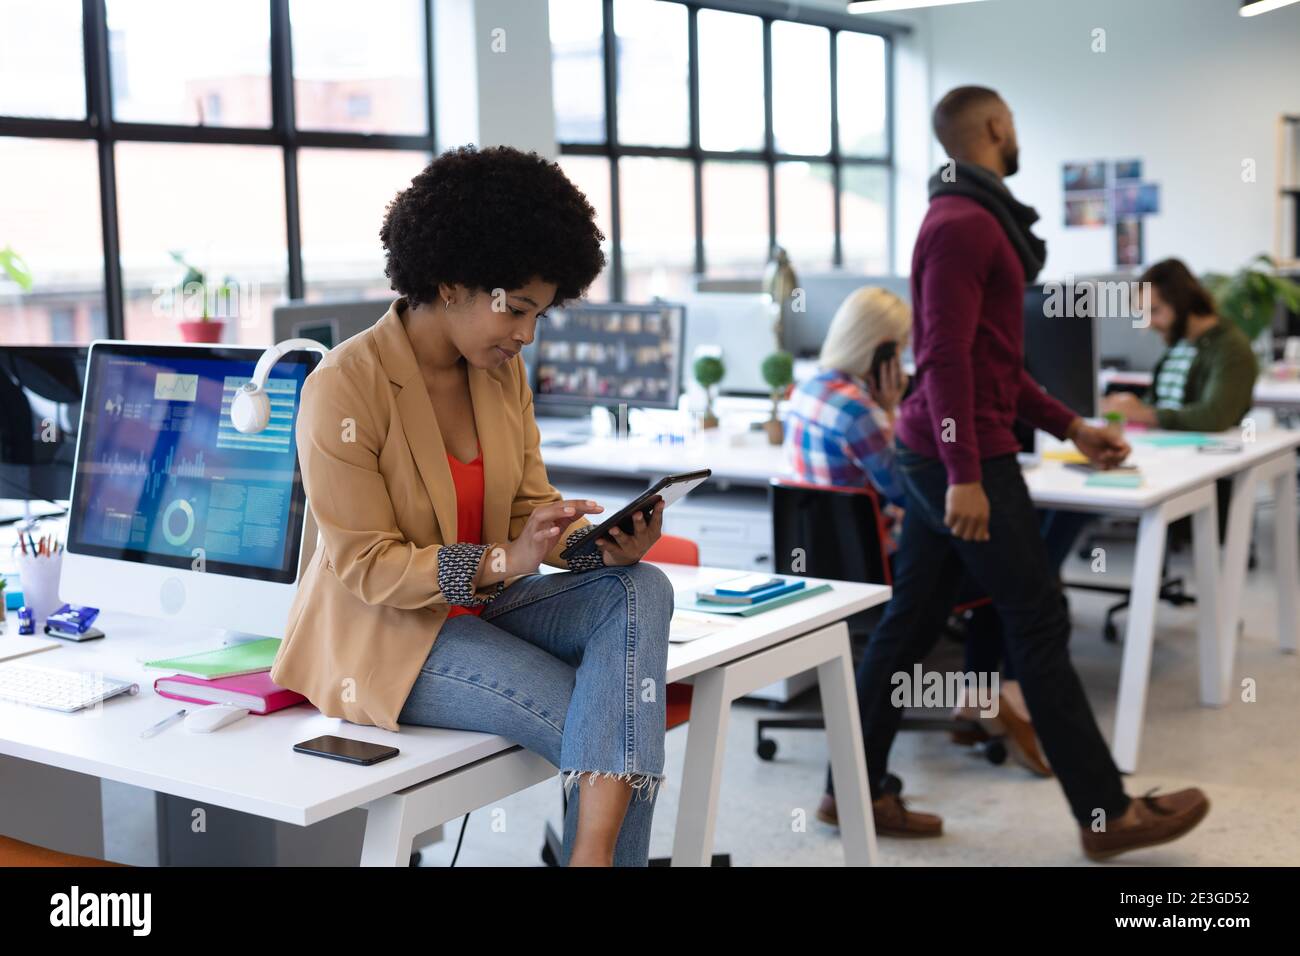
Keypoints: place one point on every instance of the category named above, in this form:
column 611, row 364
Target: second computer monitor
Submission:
column 588, row 354
column 1061, row 351
column 40, row 410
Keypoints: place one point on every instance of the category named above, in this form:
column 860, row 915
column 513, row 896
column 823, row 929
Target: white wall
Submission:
column 1188, row 86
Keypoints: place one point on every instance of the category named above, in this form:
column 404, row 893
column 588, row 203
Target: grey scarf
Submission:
column 981, row 185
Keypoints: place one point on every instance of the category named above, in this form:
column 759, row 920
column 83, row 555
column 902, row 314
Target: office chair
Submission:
column 669, row 549
column 840, row 533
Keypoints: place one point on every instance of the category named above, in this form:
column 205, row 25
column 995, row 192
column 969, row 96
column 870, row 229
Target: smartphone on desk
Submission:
column 349, row 751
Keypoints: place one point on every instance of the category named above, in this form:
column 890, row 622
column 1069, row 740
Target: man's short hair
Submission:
column 953, row 114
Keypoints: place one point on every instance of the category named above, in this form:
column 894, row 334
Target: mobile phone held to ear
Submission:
column 885, row 352
column 345, row 749
column 670, row 489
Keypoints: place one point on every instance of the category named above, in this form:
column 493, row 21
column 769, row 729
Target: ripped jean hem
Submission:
column 645, row 785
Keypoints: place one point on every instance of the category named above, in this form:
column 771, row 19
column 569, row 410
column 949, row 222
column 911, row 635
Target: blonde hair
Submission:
column 867, row 318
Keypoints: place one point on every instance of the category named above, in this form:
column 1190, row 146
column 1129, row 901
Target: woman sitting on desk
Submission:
column 419, row 453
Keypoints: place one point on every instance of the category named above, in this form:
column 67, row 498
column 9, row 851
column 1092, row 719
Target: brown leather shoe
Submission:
column 1021, row 740
column 1159, row 819
column 891, row 815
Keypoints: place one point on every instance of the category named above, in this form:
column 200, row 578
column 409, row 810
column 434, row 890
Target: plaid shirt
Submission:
column 836, row 435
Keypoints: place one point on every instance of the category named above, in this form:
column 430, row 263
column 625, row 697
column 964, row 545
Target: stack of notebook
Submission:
column 753, row 593
column 238, row 674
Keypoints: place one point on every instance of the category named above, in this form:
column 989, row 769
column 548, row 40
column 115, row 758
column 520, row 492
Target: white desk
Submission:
column 1178, row 482
column 1282, row 394
column 440, row 774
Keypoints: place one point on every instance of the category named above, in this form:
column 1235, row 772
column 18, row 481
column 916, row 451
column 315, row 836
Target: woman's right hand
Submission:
column 524, row 554
column 888, row 387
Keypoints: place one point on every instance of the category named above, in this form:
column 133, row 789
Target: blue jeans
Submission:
column 570, row 666
column 1013, row 570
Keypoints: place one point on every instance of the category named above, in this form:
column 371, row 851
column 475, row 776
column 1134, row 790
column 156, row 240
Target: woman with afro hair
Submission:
column 419, row 452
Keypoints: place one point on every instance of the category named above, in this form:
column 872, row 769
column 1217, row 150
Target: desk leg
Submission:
column 1213, row 633
column 389, row 835
column 697, row 812
column 1236, row 555
column 1139, row 637
column 1286, row 544
column 848, row 760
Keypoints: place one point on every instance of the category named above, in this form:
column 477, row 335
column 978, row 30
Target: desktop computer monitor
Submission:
column 587, row 354
column 329, row 323
column 174, row 513
column 40, row 411
column 1061, row 353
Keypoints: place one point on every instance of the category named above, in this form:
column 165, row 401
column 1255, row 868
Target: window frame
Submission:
column 768, row 12
column 100, row 127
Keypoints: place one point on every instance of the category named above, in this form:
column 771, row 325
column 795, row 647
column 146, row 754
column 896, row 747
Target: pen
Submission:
column 21, row 543
column 32, row 542
column 169, row 719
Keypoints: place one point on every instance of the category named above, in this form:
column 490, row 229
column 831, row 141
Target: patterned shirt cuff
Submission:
column 588, row 560
column 457, row 567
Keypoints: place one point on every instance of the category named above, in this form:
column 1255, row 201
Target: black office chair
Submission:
column 840, row 533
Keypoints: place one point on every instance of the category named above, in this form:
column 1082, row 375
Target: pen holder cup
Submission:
column 40, row 582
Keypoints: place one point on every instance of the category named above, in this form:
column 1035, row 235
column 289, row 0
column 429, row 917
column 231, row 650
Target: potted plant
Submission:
column 709, row 371
column 778, row 372
column 1251, row 297
column 206, row 328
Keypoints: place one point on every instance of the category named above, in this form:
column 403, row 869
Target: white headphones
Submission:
column 250, row 411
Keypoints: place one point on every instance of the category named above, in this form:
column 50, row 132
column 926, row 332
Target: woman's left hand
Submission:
column 621, row 548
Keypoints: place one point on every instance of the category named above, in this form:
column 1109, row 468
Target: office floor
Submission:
column 1246, row 757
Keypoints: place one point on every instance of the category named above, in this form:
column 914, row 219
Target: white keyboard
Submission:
column 57, row 689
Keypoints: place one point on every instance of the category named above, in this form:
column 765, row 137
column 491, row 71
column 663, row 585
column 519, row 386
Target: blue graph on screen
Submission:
column 153, row 471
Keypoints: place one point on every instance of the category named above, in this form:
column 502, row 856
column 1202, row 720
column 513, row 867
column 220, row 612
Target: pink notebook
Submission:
column 257, row 692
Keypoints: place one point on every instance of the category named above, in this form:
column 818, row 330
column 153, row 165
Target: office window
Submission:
column 359, row 73
column 656, row 200
column 801, row 89
column 174, row 61
column 863, row 94
column 344, row 195
column 729, row 120
column 731, row 81
column 49, row 218
column 653, row 63
column 864, row 219
column 805, row 214
column 195, row 161
column 735, row 218
column 222, row 209
column 591, row 175
column 577, row 70
column 42, row 71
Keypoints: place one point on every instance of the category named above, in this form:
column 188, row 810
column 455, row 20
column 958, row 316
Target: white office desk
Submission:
column 1178, row 482
column 440, row 774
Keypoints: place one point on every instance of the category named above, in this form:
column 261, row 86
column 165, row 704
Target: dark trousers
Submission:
column 985, row 641
column 1013, row 570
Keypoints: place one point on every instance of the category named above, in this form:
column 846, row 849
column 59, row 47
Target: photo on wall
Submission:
column 1128, row 242
column 1137, row 199
column 1127, row 169
column 1082, row 177
column 1086, row 210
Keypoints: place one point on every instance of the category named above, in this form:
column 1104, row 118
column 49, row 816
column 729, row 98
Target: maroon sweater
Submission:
column 968, row 294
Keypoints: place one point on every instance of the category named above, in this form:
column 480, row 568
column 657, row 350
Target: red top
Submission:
column 968, row 300
column 468, row 479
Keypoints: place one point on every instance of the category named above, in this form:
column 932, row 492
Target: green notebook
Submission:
column 252, row 657
column 748, row 610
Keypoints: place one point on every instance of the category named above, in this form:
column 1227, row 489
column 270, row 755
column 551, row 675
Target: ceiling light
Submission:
column 1253, row 8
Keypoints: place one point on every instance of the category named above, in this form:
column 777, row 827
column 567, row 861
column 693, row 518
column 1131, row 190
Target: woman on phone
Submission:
column 419, row 453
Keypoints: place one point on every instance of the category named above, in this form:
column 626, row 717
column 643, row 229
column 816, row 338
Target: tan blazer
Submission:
column 373, row 462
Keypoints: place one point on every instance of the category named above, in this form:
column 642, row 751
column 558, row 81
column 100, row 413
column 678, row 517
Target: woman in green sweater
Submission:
column 1205, row 379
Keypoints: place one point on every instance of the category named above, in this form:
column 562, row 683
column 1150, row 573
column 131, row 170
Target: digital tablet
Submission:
column 670, row 489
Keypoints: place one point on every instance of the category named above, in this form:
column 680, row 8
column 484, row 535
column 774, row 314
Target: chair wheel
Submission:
column 766, row 749
column 548, row 857
column 1110, row 632
column 995, row 752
